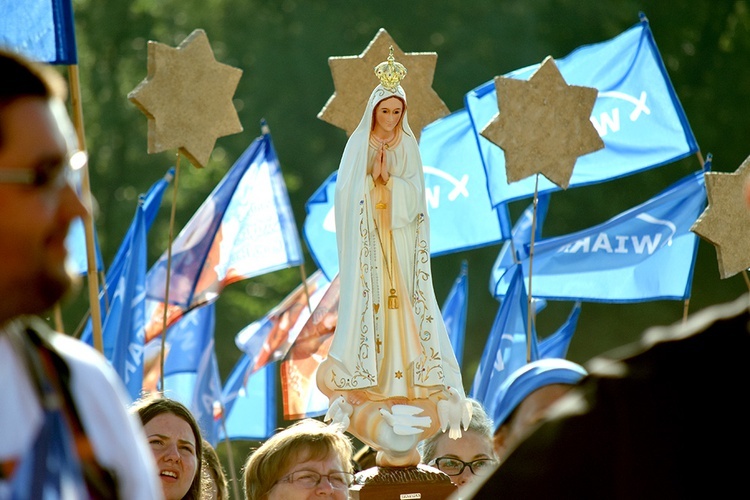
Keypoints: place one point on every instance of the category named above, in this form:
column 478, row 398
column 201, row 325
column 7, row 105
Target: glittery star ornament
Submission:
column 543, row 125
column 725, row 223
column 187, row 97
column 354, row 79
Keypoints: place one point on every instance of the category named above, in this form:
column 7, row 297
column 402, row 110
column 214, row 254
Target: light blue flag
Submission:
column 126, row 317
column 249, row 402
column 646, row 253
column 637, row 114
column 515, row 249
column 191, row 373
column 556, row 345
column 454, row 311
column 151, row 203
column 245, row 228
column 507, row 348
column 319, row 228
column 206, row 404
column 42, row 30
column 75, row 242
column 455, row 185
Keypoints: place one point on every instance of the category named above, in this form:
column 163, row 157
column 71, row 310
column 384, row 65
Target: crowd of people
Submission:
column 627, row 426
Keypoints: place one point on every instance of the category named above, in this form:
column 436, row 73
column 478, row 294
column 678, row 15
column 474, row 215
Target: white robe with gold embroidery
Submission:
column 388, row 352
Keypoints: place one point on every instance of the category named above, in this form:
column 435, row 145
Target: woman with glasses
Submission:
column 306, row 460
column 464, row 458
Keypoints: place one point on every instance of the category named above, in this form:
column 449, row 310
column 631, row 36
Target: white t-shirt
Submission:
column 117, row 436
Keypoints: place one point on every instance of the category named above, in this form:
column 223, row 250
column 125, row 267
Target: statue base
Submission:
column 402, row 483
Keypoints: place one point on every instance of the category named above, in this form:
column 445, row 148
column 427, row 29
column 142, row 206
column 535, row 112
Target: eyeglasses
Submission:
column 454, row 466
column 311, row 479
column 46, row 176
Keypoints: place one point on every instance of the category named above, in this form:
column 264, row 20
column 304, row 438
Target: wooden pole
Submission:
column 529, row 311
column 169, row 269
column 88, row 219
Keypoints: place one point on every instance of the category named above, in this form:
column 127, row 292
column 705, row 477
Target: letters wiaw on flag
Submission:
column 245, row 228
column 637, row 114
column 645, row 253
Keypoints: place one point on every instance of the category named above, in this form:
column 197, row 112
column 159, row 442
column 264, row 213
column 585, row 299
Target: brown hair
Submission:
column 213, row 473
column 24, row 78
column 153, row 405
column 307, row 439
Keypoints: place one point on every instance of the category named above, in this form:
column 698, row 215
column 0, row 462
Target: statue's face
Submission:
column 388, row 114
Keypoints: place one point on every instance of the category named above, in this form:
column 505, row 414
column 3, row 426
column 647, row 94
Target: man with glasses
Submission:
column 64, row 428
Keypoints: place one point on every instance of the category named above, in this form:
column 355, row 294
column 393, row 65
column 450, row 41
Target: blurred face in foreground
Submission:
column 173, row 445
column 36, row 213
column 472, row 448
column 526, row 416
column 305, row 480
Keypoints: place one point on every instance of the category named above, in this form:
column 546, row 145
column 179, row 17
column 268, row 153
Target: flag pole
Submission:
column 88, row 219
column 531, row 261
column 169, row 269
column 303, row 274
column 230, row 455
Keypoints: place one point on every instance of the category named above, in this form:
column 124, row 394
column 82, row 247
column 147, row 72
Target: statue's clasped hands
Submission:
column 379, row 167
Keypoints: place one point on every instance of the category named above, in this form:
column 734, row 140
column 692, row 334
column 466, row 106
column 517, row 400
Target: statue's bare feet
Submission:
column 356, row 398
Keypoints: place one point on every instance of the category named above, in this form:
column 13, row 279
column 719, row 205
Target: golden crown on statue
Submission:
column 390, row 72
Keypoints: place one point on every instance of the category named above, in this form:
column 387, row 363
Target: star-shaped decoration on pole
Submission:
column 725, row 223
column 543, row 125
column 354, row 79
column 187, row 97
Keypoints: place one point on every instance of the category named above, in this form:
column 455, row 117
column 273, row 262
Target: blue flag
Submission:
column 151, row 203
column 191, row 373
column 507, row 348
column 515, row 249
column 42, row 30
column 455, row 185
column 556, row 345
column 125, row 320
column 75, row 242
column 319, row 228
column 646, row 253
column 249, row 402
column 245, row 228
column 454, row 311
column 637, row 114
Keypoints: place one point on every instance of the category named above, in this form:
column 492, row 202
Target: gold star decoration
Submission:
column 725, row 223
column 354, row 79
column 399, row 375
column 543, row 125
column 187, row 97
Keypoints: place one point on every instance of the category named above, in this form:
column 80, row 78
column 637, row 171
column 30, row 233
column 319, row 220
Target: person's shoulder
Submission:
column 716, row 327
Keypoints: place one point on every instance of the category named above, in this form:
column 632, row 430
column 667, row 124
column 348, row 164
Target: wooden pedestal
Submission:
column 402, row 483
